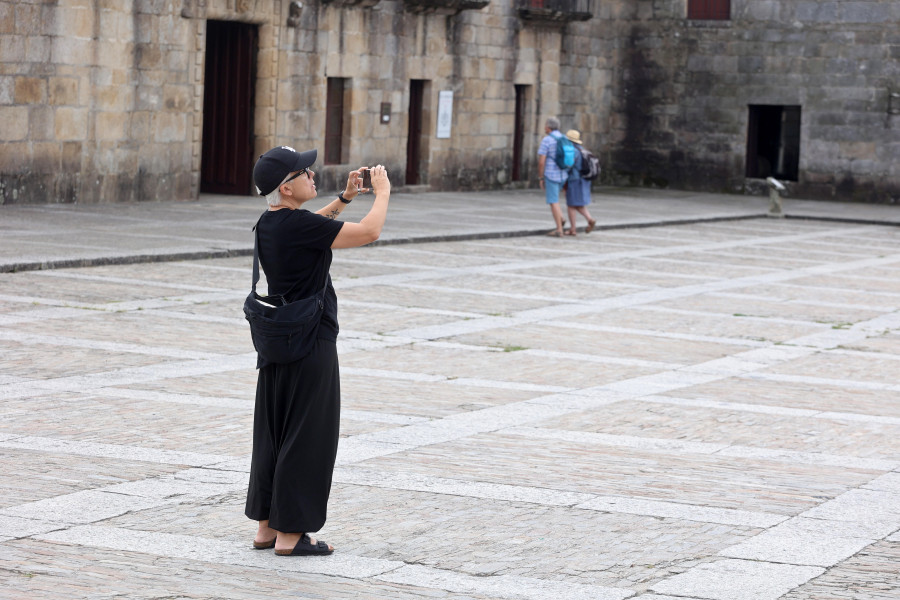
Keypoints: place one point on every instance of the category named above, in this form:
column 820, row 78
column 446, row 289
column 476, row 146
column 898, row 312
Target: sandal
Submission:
column 554, row 233
column 590, row 226
column 570, row 232
column 305, row 547
column 264, row 545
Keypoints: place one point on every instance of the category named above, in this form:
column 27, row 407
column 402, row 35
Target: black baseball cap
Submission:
column 273, row 166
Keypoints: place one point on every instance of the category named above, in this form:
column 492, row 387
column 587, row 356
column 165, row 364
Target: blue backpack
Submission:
column 565, row 152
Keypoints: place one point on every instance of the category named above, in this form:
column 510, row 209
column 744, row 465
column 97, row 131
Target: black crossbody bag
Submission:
column 282, row 331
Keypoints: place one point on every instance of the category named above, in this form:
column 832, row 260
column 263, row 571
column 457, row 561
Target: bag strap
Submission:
column 255, row 255
column 256, row 262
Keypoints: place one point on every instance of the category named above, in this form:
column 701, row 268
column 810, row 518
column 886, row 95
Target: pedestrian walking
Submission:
column 552, row 176
column 578, row 189
column 297, row 412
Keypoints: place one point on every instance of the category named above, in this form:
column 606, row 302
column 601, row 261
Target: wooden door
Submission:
column 230, row 77
column 519, row 132
column 334, row 121
column 414, row 137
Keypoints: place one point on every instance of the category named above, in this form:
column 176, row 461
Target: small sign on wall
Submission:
column 385, row 113
column 445, row 113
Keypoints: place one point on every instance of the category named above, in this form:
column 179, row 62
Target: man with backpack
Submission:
column 556, row 157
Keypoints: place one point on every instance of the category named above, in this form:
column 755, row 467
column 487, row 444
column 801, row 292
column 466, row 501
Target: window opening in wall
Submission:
column 773, row 141
column 519, row 131
column 334, row 121
column 709, row 9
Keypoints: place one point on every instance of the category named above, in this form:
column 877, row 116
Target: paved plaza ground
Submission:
column 694, row 402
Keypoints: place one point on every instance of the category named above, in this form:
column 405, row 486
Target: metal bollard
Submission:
column 775, row 189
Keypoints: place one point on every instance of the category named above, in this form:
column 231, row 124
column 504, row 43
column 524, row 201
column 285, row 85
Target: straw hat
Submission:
column 574, row 136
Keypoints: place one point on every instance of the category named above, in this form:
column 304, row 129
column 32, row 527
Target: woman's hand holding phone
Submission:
column 355, row 182
column 366, row 179
column 379, row 179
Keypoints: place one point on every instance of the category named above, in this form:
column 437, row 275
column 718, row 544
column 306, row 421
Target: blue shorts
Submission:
column 551, row 190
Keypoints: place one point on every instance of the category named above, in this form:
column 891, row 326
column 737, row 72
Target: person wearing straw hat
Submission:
column 578, row 189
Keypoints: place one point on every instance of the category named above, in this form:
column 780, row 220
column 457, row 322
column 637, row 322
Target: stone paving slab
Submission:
column 736, row 428
column 830, row 395
column 702, row 478
column 737, row 579
column 59, row 235
column 63, row 573
column 702, row 411
column 869, row 574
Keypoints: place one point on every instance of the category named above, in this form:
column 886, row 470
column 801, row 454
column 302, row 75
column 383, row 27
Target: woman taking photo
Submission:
column 297, row 412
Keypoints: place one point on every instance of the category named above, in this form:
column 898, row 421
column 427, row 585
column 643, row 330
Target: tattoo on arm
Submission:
column 333, row 214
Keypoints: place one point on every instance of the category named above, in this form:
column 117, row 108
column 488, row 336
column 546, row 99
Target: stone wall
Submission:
column 479, row 55
column 682, row 90
column 95, row 102
column 102, row 100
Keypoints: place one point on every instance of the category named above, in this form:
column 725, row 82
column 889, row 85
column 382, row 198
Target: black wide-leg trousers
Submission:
column 295, row 438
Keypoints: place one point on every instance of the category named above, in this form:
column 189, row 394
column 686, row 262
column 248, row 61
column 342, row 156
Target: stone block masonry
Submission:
column 831, row 59
column 114, row 91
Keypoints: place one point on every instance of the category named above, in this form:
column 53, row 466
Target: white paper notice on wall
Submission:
column 445, row 113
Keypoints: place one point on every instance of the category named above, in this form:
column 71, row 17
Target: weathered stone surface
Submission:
column 643, row 412
column 14, row 123
column 661, row 99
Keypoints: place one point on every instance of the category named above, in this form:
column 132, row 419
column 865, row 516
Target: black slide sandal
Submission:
column 305, row 548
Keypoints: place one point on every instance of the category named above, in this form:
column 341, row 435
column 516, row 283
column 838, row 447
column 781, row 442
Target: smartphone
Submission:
column 367, row 179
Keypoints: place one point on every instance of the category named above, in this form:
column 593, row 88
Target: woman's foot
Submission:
column 555, row 233
column 590, row 226
column 571, row 232
column 300, row 544
column 265, row 536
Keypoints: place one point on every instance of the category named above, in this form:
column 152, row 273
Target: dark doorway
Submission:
column 334, row 121
column 230, row 77
column 773, row 141
column 414, row 138
column 519, row 131
column 709, row 9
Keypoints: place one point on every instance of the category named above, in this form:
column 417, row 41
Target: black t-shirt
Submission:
column 295, row 254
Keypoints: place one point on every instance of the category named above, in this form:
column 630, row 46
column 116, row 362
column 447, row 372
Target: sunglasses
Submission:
column 296, row 175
